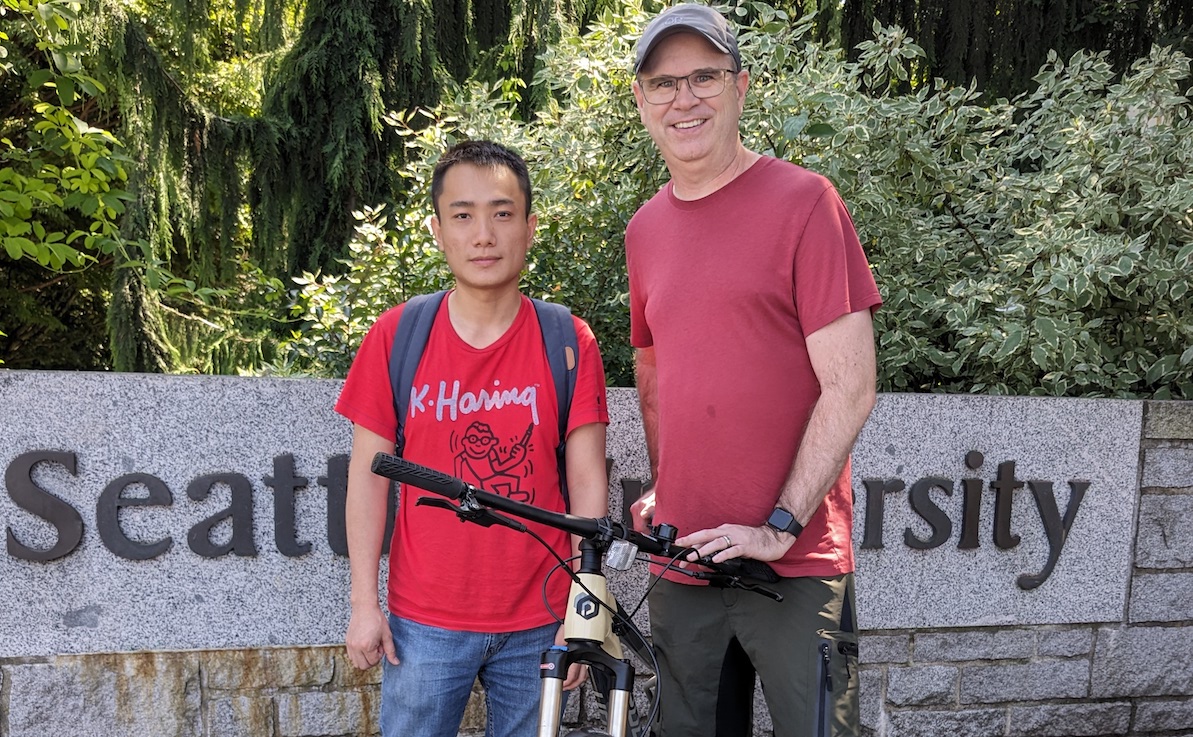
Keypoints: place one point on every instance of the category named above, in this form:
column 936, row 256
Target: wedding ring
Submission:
column 728, row 542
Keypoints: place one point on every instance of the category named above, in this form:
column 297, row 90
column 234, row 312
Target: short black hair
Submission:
column 480, row 153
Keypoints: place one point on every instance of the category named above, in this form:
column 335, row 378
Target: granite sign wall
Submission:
column 169, row 512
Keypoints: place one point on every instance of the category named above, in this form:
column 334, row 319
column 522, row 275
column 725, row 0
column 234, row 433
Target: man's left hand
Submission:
column 738, row 541
column 577, row 672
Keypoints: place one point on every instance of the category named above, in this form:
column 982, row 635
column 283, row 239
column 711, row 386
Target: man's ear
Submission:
column 742, row 83
column 637, row 88
column 433, row 224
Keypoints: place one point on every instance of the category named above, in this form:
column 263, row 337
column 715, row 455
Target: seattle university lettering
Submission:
column 1056, row 527
column 120, row 494
column 456, row 404
column 63, row 512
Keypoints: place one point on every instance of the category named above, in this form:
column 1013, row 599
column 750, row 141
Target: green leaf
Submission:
column 1039, row 355
column 1013, row 340
column 792, row 127
column 1185, row 255
column 1047, row 329
column 66, row 91
column 39, row 77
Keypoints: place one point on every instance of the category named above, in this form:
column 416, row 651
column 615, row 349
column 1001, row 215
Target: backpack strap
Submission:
column 414, row 327
column 563, row 350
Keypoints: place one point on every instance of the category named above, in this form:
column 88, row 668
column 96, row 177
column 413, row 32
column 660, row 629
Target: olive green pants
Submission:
column 804, row 649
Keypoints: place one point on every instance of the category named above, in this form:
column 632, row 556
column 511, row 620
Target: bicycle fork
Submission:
column 588, row 629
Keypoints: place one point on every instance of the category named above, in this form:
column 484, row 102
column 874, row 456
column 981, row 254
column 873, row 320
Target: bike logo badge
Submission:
column 586, row 606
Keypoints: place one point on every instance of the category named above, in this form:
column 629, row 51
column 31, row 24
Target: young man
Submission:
column 465, row 601
column 753, row 387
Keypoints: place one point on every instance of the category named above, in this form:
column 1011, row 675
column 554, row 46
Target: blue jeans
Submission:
column 424, row 695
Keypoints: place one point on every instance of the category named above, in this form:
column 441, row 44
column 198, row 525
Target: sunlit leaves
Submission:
column 64, row 164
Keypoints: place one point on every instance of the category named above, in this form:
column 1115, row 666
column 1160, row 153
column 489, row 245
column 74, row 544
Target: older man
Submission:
column 751, row 305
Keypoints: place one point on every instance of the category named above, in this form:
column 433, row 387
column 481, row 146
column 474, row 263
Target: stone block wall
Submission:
column 268, row 692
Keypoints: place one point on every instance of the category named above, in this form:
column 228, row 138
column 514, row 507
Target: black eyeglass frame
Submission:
column 647, row 91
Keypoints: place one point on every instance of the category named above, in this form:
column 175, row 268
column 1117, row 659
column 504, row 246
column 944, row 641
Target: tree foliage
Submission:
column 252, row 131
column 1030, row 245
column 63, row 190
column 999, row 44
column 61, row 179
column 164, row 199
column 1039, row 246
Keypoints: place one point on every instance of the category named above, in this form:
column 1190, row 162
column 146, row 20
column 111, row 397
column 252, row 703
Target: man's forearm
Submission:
column 842, row 355
column 827, row 442
column 364, row 518
column 365, row 521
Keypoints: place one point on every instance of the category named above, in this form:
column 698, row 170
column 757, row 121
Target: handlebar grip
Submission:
column 399, row 469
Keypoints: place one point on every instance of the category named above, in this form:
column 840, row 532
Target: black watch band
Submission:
column 781, row 520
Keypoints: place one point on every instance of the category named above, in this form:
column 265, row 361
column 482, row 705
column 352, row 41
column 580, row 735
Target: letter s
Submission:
column 32, row 498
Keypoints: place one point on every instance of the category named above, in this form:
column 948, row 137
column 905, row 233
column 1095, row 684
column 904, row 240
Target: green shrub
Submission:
column 1034, row 246
column 1040, row 246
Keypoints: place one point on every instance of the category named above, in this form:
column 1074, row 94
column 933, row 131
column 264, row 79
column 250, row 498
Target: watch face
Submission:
column 781, row 519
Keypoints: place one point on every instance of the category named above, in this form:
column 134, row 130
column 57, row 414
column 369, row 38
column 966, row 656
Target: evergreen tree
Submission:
column 1000, row 44
column 323, row 151
column 252, row 140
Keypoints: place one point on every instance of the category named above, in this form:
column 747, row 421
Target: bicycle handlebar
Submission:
column 400, row 469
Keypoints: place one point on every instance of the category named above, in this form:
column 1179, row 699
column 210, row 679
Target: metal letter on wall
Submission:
column 32, row 498
column 107, row 515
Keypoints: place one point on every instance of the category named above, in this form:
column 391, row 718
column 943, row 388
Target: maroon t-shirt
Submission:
column 726, row 289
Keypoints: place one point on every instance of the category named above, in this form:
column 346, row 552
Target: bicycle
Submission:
column 595, row 625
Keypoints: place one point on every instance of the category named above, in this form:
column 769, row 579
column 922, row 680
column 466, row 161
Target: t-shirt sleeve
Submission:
column 832, row 275
column 589, row 403
column 367, row 398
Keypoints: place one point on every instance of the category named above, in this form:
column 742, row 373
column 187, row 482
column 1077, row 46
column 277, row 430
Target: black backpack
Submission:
column 559, row 340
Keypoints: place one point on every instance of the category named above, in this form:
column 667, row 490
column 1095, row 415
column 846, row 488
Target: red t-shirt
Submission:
column 726, row 288
column 488, row 415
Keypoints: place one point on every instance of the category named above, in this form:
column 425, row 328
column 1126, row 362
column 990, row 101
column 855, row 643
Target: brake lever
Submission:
column 736, row 580
column 730, row 581
column 758, row 588
column 475, row 514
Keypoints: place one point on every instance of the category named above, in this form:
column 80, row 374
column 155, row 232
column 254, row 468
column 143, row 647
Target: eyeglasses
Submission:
column 704, row 83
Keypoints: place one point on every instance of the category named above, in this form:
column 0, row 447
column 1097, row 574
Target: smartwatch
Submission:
column 781, row 520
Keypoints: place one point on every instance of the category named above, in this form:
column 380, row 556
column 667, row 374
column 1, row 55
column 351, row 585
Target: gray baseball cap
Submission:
column 693, row 18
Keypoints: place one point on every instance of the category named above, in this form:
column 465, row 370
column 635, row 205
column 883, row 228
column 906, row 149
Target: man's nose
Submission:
column 485, row 235
column 684, row 95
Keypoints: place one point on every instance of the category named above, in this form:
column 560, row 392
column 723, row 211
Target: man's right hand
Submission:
column 642, row 512
column 369, row 638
